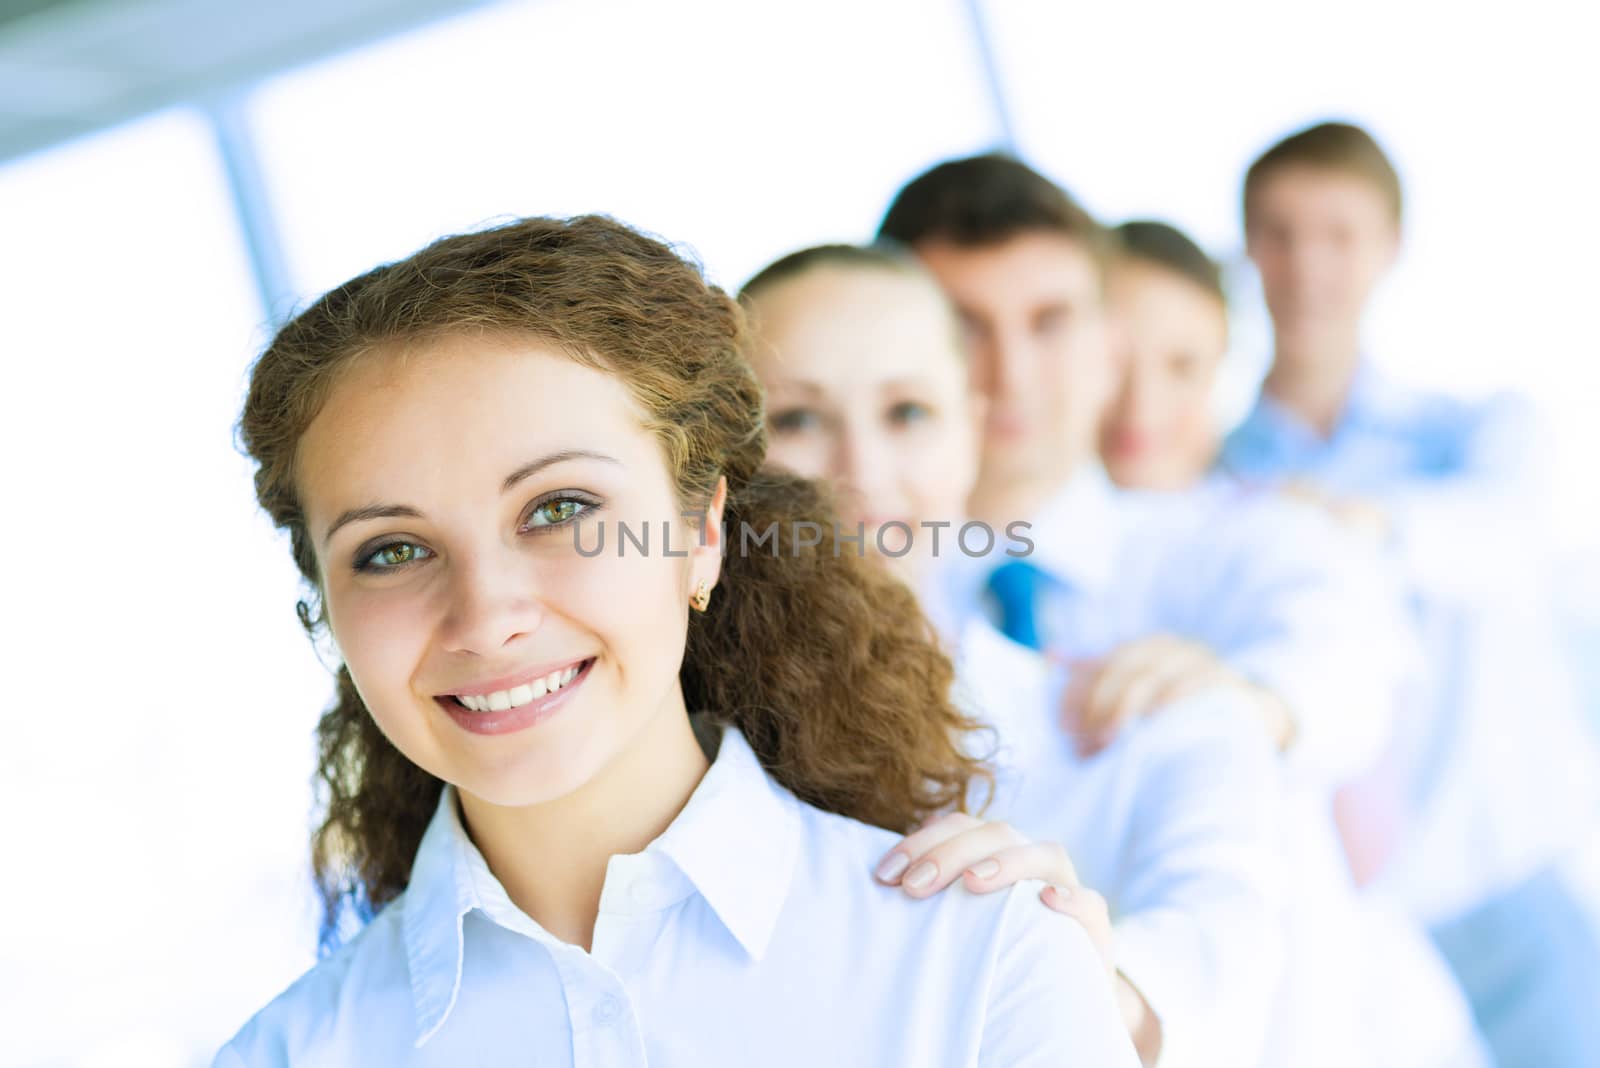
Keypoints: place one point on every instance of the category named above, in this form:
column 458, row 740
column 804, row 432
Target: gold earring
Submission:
column 702, row 597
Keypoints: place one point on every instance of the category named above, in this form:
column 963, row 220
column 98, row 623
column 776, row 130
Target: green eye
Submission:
column 393, row 556
column 908, row 412
column 794, row 421
column 555, row 511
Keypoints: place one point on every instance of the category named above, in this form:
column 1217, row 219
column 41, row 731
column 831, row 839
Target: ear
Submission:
column 705, row 564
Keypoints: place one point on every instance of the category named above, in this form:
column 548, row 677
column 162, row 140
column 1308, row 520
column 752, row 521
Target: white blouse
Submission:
column 1232, row 906
column 1177, row 823
column 750, row 932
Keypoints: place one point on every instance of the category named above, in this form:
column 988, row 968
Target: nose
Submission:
column 492, row 602
column 1306, row 262
column 863, row 464
column 1009, row 366
column 1136, row 400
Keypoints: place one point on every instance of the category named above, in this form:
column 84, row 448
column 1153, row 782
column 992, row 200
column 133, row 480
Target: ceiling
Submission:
column 68, row 67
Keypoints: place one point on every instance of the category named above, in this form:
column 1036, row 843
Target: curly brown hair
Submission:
column 823, row 662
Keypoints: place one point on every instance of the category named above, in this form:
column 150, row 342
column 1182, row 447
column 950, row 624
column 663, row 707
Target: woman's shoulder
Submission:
column 1032, row 980
column 314, row 1019
column 843, row 854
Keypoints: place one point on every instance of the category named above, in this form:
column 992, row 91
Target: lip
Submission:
column 1006, row 425
column 521, row 717
column 511, row 682
column 1130, row 444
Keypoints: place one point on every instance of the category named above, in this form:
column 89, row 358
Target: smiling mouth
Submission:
column 518, row 696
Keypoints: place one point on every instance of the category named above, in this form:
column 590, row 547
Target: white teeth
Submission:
column 501, row 700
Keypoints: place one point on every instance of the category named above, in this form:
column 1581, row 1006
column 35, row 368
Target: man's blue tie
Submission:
column 1016, row 585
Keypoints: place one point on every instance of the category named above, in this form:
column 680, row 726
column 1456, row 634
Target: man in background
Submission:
column 1500, row 778
column 1154, row 598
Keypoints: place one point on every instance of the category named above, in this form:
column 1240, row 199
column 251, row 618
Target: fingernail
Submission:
column 985, row 869
column 1062, row 893
column 919, row 876
column 890, row 867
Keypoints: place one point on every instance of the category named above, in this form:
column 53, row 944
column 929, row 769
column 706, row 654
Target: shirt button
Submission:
column 607, row 1010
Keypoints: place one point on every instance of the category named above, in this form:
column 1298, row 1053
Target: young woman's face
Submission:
column 1170, row 336
column 442, row 489
column 867, row 389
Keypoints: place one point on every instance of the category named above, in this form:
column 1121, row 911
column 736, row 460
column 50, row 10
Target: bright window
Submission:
column 1155, row 109
column 161, row 699
column 743, row 130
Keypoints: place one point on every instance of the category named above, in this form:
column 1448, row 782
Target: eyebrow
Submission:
column 371, row 511
column 906, row 382
column 800, row 385
column 526, row 471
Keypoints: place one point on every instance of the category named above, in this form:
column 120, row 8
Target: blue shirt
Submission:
column 750, row 932
column 1500, row 769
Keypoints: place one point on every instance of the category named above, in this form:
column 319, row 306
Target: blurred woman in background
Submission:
column 1174, row 822
column 1170, row 312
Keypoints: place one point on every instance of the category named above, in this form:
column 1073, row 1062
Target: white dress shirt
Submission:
column 1176, row 823
column 750, row 932
column 1290, row 601
column 1271, row 586
column 1232, row 907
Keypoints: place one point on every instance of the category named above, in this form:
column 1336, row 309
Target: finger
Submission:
column 1105, row 683
column 1136, row 690
column 1201, row 668
column 1046, row 861
column 1174, row 669
column 1133, row 700
column 1103, row 708
column 1194, row 678
column 909, row 849
column 943, row 864
column 1080, row 902
column 1073, row 698
column 1089, row 909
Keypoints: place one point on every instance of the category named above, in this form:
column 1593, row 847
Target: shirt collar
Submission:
column 736, row 841
column 1077, row 534
column 437, row 899
column 1374, row 400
